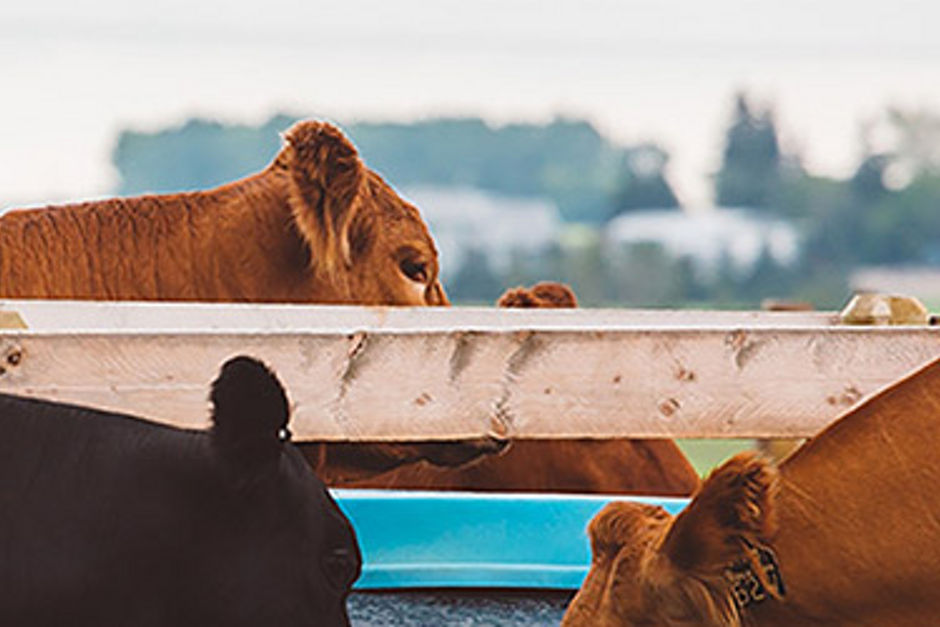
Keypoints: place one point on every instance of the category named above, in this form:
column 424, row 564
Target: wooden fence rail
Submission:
column 385, row 373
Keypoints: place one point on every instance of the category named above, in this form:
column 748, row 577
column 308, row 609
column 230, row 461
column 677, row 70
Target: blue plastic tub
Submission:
column 416, row 539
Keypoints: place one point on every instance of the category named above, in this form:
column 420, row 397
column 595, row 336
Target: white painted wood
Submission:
column 382, row 373
column 78, row 316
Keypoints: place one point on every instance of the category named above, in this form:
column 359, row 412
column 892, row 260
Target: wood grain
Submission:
column 381, row 373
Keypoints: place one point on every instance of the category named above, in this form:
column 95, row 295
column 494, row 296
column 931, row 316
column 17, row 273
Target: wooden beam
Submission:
column 383, row 373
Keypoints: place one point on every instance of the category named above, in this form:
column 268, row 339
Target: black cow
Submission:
column 107, row 519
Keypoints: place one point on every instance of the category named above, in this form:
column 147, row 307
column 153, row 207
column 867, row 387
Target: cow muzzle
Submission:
column 465, row 452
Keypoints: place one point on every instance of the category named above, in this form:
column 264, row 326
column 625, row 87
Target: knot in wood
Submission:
column 668, row 407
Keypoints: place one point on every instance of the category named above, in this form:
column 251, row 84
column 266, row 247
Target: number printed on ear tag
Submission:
column 745, row 584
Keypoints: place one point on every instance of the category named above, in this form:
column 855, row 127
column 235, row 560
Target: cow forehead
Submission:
column 626, row 523
column 397, row 212
column 388, row 200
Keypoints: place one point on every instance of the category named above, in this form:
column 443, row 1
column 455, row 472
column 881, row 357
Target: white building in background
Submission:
column 706, row 235
column 461, row 219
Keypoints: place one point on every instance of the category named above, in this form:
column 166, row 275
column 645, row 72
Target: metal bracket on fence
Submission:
column 872, row 308
column 11, row 320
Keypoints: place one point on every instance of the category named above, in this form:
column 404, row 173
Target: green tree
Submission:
column 767, row 278
column 475, row 282
column 520, row 270
column 197, row 155
column 643, row 274
column 724, row 287
column 751, row 162
column 566, row 160
column 868, row 183
column 585, row 267
column 823, row 284
column 643, row 183
column 690, row 289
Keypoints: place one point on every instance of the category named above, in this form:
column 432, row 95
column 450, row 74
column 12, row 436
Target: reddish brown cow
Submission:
column 315, row 226
column 852, row 518
column 614, row 466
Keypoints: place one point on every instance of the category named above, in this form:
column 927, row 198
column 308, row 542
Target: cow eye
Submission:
column 415, row 270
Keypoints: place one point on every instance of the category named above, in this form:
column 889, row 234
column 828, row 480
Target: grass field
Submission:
column 706, row 454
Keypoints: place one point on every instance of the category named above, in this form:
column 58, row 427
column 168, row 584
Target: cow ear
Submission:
column 517, row 297
column 733, row 509
column 250, row 410
column 546, row 294
column 552, row 294
column 326, row 176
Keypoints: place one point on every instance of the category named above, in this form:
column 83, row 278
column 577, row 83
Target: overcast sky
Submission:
column 75, row 73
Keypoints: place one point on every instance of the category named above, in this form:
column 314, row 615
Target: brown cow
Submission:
column 544, row 295
column 621, row 465
column 315, row 226
column 852, row 518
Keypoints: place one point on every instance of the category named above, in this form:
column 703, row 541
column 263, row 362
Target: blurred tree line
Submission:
column 886, row 213
column 644, row 274
column 566, row 160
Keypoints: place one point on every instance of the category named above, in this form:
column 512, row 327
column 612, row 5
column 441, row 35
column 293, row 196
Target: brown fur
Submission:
column 542, row 295
column 371, row 464
column 316, row 226
column 651, row 568
column 854, row 519
column 619, row 466
column 612, row 466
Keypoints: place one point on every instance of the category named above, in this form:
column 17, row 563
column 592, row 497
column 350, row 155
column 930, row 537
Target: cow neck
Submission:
column 860, row 498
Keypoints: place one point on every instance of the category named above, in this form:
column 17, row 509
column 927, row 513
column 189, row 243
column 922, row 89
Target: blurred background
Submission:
column 658, row 153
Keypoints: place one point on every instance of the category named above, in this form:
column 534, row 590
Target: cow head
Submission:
column 365, row 242
column 544, row 295
column 650, row 568
column 344, row 463
column 250, row 410
column 300, row 542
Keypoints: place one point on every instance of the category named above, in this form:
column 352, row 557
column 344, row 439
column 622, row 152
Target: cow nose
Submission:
column 436, row 296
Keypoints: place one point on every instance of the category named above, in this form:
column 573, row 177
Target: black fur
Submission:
column 107, row 519
column 250, row 408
